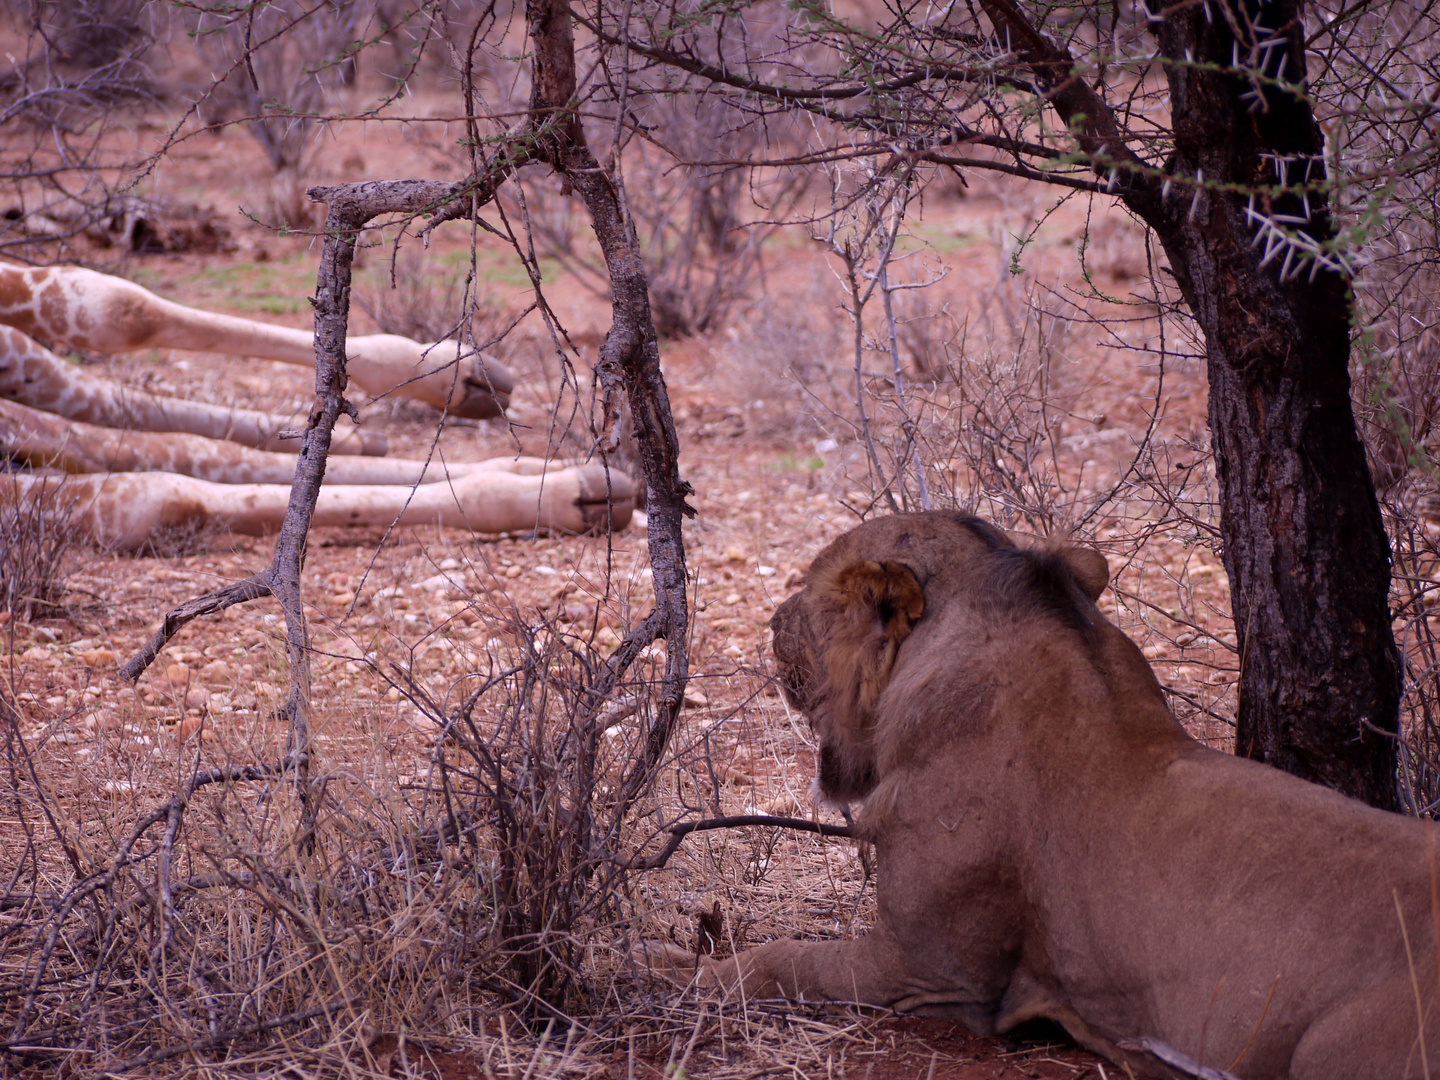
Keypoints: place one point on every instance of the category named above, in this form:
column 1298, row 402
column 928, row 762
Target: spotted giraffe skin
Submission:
column 39, row 440
column 88, row 310
column 125, row 511
column 32, row 375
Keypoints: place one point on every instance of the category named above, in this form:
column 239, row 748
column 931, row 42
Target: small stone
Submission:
column 99, row 658
column 428, row 730
column 734, row 652
column 696, row 699
column 177, row 675
column 190, row 726
column 197, row 697
column 512, row 572
column 765, row 571
column 734, row 554
column 732, row 599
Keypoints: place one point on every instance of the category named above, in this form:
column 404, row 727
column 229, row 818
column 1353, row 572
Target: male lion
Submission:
column 1051, row 844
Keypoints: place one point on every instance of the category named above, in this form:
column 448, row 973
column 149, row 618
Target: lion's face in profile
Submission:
column 837, row 642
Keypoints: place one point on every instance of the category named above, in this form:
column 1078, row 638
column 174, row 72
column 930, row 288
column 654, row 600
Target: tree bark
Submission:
column 629, row 364
column 1304, row 543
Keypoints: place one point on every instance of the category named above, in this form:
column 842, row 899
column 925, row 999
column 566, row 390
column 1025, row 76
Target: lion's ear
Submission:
column 862, row 615
column 1090, row 569
column 887, row 593
column 879, row 604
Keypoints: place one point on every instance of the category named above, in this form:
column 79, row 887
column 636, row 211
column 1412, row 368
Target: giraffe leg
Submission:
column 124, row 510
column 89, row 310
column 42, row 440
column 32, row 375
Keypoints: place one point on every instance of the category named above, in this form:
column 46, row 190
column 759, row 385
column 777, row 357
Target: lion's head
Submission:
column 839, row 640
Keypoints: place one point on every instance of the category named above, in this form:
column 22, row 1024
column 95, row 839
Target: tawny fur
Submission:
column 1051, row 844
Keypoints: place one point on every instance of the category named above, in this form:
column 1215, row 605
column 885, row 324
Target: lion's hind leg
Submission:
column 1373, row 1036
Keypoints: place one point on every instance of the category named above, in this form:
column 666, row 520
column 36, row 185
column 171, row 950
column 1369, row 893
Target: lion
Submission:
column 1051, row 845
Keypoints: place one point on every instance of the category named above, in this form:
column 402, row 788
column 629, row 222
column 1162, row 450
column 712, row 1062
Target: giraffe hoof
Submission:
column 373, row 444
column 484, row 392
column 346, row 440
column 601, row 510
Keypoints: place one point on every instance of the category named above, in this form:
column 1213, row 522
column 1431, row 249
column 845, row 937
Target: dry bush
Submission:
column 414, row 298
column 536, row 790
column 162, row 909
column 85, row 67
column 38, row 547
column 281, row 64
column 701, row 226
column 993, row 412
column 1375, row 80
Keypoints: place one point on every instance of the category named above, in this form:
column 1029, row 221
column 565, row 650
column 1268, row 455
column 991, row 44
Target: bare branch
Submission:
column 734, row 821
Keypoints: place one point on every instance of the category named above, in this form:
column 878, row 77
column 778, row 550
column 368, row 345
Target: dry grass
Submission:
column 461, row 913
column 37, row 548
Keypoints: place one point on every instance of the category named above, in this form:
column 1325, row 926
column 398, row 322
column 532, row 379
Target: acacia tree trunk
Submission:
column 1305, row 548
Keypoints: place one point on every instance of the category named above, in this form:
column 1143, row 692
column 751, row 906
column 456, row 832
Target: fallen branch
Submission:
column 150, row 1057
column 734, row 821
column 240, row 592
